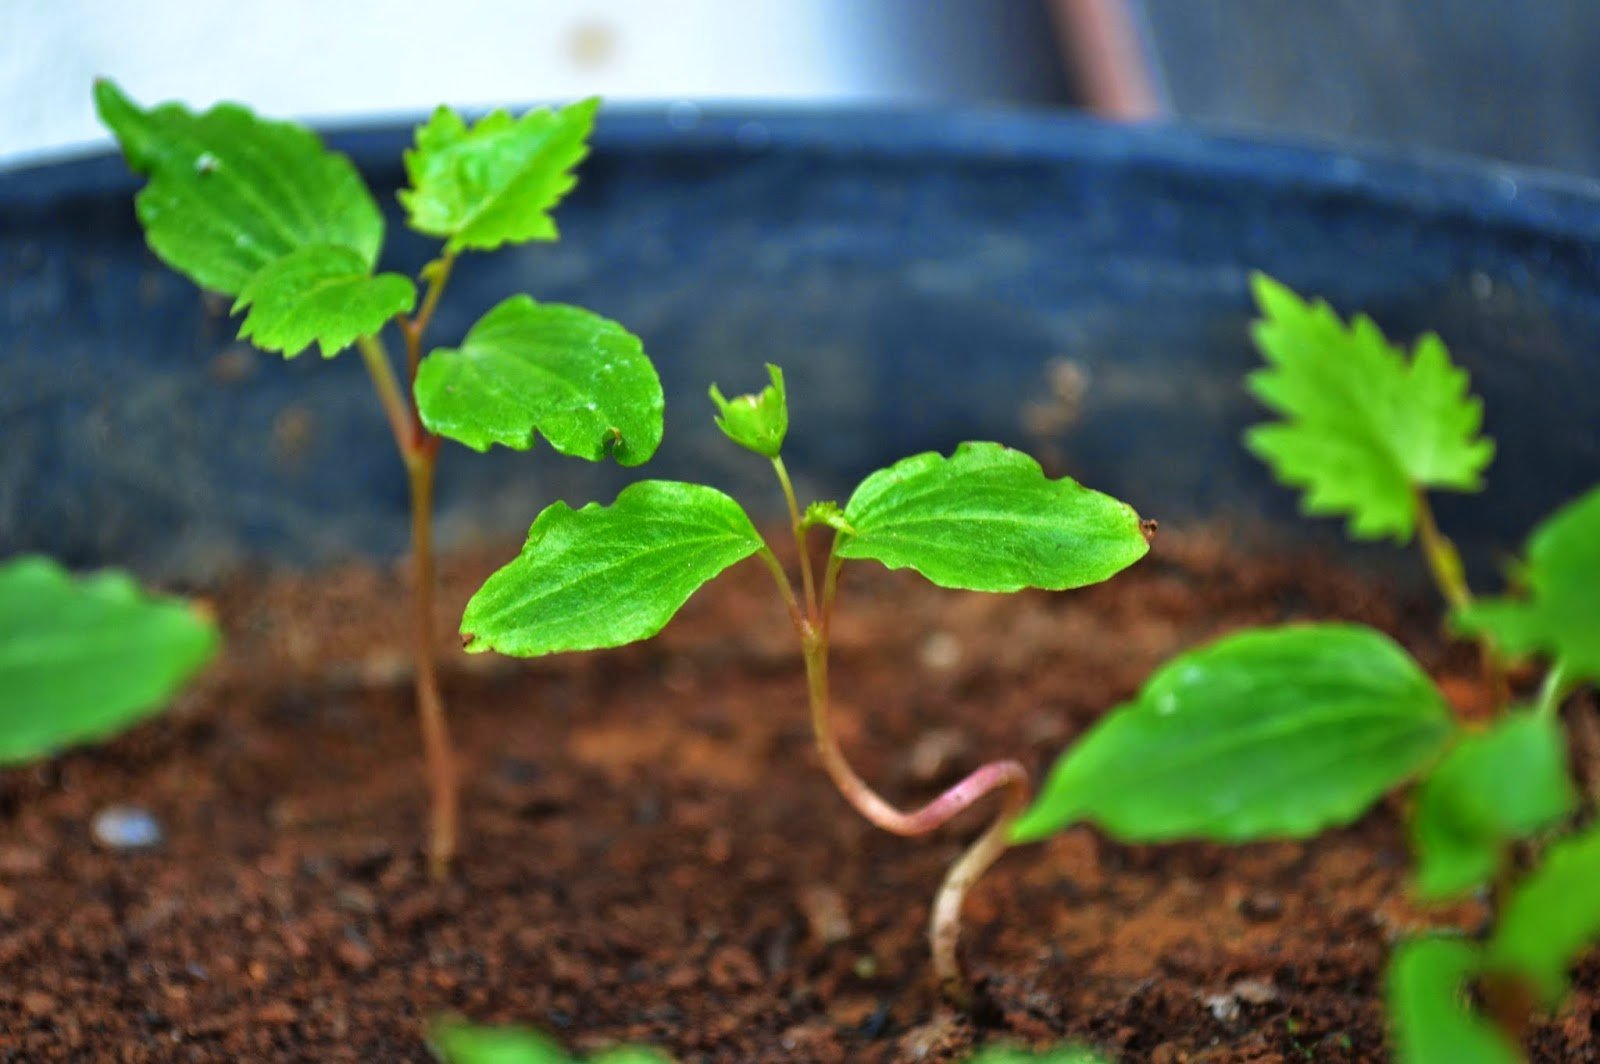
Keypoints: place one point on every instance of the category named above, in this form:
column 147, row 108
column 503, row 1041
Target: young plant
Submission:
column 984, row 519
column 1305, row 726
column 82, row 659
column 261, row 211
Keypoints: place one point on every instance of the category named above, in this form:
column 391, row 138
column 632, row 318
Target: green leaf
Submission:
column 1276, row 732
column 456, row 1042
column 1428, row 1007
column 230, row 192
column 987, row 519
column 495, row 182
column 82, row 659
column 1364, row 428
column 1560, row 614
column 827, row 514
column 582, row 380
column 1553, row 916
column 320, row 294
column 1499, row 785
column 604, row 576
column 757, row 422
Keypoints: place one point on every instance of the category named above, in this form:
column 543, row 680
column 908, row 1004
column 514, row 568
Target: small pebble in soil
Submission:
column 940, row 652
column 125, row 827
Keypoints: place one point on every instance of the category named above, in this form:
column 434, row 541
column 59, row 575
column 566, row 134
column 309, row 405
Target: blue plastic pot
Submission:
column 917, row 275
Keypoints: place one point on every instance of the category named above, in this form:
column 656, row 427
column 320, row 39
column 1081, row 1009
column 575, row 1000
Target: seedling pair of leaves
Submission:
column 263, row 212
column 1290, row 730
column 82, row 659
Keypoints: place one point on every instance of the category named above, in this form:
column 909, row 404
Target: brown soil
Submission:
column 654, row 855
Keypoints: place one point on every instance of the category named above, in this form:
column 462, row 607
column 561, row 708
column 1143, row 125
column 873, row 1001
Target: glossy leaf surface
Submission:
column 1492, row 787
column 494, row 182
column 988, row 519
column 604, row 576
column 84, row 658
column 320, row 294
column 527, row 368
column 1364, row 427
column 230, row 192
column 759, row 421
column 1277, row 732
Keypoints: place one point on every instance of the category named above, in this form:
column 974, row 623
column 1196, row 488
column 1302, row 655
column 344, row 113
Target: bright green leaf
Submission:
column 1553, row 916
column 582, row 380
column 1276, row 732
column 828, row 515
column 84, row 658
column 1493, row 787
column 1560, row 614
column 604, row 576
column 456, row 1042
column 1433, row 1023
column 1364, row 428
column 758, row 422
column 1059, row 1055
column 230, row 192
column 320, row 294
column 495, row 182
column 987, row 519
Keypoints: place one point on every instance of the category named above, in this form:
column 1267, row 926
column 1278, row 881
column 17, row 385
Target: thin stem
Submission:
column 1450, row 577
column 830, row 586
column 785, row 588
column 797, row 526
column 944, row 928
column 1552, row 692
column 430, row 301
column 395, row 405
column 413, row 329
column 437, row 750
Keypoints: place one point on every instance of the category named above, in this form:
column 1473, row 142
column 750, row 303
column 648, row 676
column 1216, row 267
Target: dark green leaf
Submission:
column 1428, row 1006
column 1267, row 733
column 495, row 182
column 605, row 576
column 1499, row 785
column 1560, row 614
column 320, row 294
column 1364, row 427
column 230, row 192
column 82, row 659
column 758, row 422
column 526, row 368
column 1553, row 916
column 987, row 519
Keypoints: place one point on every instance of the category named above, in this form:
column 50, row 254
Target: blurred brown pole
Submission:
column 1102, row 49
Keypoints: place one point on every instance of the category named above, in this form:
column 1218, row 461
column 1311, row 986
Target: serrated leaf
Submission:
column 230, row 192
column 497, row 181
column 1491, row 788
column 1276, row 732
column 988, row 519
column 525, row 368
column 84, row 658
column 1364, row 427
column 604, row 576
column 1553, row 916
column 320, row 294
column 1560, row 614
column 456, row 1042
column 759, row 421
column 1433, row 1023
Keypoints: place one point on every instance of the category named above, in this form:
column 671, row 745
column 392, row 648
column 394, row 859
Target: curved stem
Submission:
column 395, row 405
column 1450, row 577
column 438, row 753
column 944, row 927
column 798, row 527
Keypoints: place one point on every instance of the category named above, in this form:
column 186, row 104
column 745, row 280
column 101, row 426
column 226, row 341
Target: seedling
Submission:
column 984, row 519
column 261, row 211
column 1303, row 727
column 82, row 659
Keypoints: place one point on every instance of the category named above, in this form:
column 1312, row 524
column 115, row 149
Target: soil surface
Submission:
column 653, row 854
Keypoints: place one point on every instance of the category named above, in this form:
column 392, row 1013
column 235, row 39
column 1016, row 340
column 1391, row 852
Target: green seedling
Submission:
column 263, row 212
column 1282, row 732
column 82, row 659
column 984, row 519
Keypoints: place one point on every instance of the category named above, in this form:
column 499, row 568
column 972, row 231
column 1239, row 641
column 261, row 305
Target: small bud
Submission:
column 758, row 422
